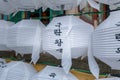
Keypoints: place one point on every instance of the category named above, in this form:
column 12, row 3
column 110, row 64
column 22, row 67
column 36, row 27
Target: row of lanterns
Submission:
column 13, row 6
column 65, row 37
column 18, row 70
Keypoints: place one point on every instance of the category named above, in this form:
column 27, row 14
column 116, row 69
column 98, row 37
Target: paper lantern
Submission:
column 23, row 5
column 92, row 3
column 110, row 2
column 6, row 8
column 25, row 38
column 17, row 71
column 60, row 4
column 106, row 41
column 10, row 6
column 67, row 26
column 66, row 37
column 4, row 25
column 53, row 73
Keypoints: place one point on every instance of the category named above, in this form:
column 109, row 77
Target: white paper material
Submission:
column 60, row 5
column 65, row 38
column 53, row 73
column 94, row 4
column 79, row 35
column 78, row 2
column 94, row 69
column 112, row 7
column 37, row 45
column 68, row 5
column 106, row 41
column 6, row 8
column 83, row 4
column 25, row 38
column 4, row 25
column 66, row 56
column 23, row 5
column 114, row 78
column 17, row 71
column 10, row 6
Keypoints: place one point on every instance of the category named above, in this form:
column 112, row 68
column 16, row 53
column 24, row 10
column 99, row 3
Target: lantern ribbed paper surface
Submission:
column 68, row 5
column 17, row 71
column 66, row 37
column 105, row 44
column 58, row 29
column 6, row 8
column 110, row 2
column 25, row 38
column 106, row 41
column 23, row 5
column 4, row 25
column 53, row 73
column 60, row 5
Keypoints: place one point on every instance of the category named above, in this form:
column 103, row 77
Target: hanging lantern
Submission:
column 53, row 73
column 6, row 8
column 67, row 26
column 23, row 5
column 106, row 41
column 17, row 71
column 66, row 37
column 59, row 5
column 68, row 5
column 25, row 38
column 105, row 44
column 4, row 25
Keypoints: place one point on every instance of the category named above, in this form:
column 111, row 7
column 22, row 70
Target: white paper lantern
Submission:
column 68, row 5
column 106, row 41
column 67, row 26
column 6, row 8
column 17, row 71
column 59, row 4
column 53, row 73
column 105, row 44
column 25, row 38
column 110, row 2
column 92, row 3
column 67, row 37
column 23, row 5
column 4, row 25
